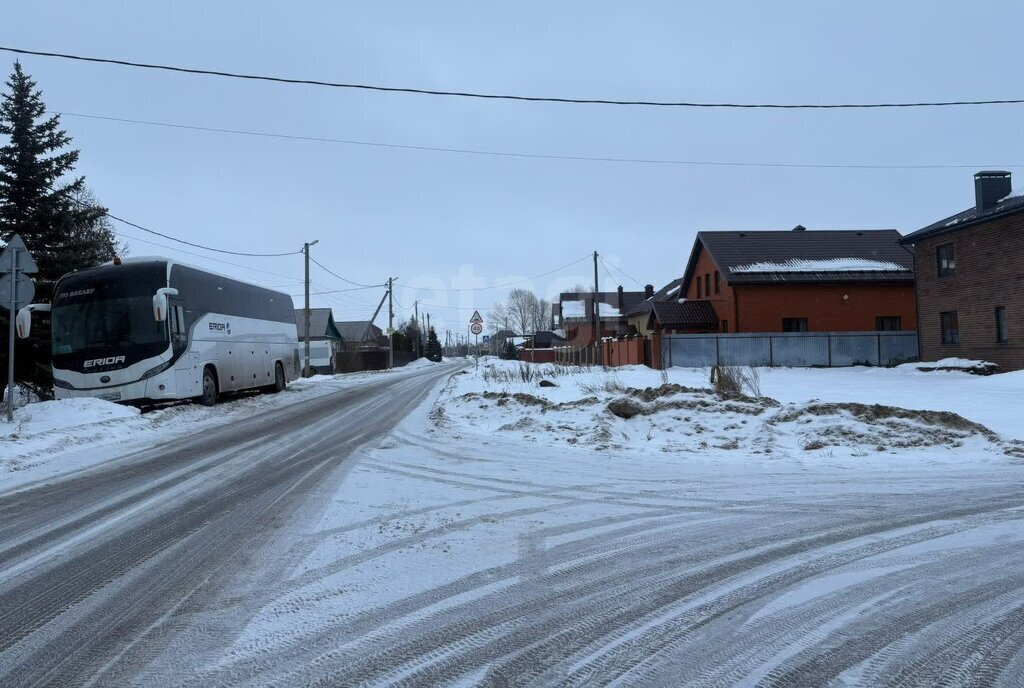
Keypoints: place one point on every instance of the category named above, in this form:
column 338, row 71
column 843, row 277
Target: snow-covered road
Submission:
column 104, row 569
column 361, row 538
column 459, row 554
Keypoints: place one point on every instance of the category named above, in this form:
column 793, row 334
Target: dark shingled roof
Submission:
column 359, row 331
column 666, row 293
column 966, row 218
column 731, row 250
column 687, row 315
column 321, row 323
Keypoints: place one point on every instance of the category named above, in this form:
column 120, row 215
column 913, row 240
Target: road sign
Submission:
column 25, row 262
column 487, row 338
column 476, row 328
column 476, row 317
column 26, row 289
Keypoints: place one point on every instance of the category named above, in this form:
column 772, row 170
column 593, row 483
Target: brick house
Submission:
column 664, row 311
column 803, row 281
column 970, row 278
column 573, row 315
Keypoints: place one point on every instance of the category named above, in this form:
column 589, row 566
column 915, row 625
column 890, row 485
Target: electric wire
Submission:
column 501, row 96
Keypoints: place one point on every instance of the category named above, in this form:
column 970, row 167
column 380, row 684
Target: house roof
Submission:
column 687, row 315
column 670, row 292
column 545, row 339
column 759, row 257
column 1007, row 206
column 577, row 305
column 321, row 323
column 359, row 331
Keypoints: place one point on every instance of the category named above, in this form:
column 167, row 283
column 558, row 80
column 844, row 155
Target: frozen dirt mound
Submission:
column 678, row 420
column 877, row 427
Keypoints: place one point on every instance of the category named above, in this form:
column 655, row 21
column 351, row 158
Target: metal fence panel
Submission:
column 854, row 349
column 743, row 351
column 901, row 347
column 798, row 351
column 689, row 352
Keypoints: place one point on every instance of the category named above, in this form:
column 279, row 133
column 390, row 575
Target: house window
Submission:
column 718, row 282
column 725, row 326
column 707, row 285
column 946, row 260
column 1002, row 332
column 698, row 287
column 888, row 323
column 794, row 324
column 950, row 328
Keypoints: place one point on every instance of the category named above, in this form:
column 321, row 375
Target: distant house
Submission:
column 496, row 344
column 361, row 334
column 802, row 281
column 666, row 311
column 325, row 339
column 573, row 315
column 970, row 278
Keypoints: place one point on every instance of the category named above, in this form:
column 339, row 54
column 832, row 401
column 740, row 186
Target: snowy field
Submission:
column 54, row 437
column 512, row 534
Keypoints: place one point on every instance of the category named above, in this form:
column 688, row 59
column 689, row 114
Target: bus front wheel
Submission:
column 209, row 397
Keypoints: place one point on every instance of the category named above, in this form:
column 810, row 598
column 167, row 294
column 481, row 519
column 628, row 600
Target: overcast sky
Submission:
column 446, row 220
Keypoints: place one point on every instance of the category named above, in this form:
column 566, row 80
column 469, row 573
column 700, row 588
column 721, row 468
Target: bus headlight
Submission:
column 62, row 384
column 155, row 371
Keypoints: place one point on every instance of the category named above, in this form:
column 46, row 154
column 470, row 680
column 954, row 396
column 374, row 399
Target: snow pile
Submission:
column 966, row 365
column 607, row 410
column 823, row 265
column 419, row 363
column 51, row 416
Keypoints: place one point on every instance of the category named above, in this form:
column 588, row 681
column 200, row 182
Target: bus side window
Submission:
column 177, row 324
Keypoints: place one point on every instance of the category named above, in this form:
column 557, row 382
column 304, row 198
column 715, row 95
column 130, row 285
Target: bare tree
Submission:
column 522, row 305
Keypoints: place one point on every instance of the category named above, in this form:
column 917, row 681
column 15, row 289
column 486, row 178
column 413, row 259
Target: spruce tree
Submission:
column 509, row 354
column 434, row 351
column 54, row 212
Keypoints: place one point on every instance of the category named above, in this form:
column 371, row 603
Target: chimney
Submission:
column 989, row 187
column 799, row 228
column 620, row 297
column 648, row 291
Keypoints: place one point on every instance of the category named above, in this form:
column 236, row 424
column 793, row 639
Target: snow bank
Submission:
column 419, row 363
column 638, row 410
column 56, row 416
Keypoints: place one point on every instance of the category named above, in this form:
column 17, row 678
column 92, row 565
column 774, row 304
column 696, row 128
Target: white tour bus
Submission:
column 152, row 329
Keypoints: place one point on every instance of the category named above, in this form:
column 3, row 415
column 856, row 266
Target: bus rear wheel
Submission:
column 209, row 396
column 280, row 381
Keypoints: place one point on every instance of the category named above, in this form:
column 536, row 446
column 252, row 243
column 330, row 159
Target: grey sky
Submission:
column 436, row 219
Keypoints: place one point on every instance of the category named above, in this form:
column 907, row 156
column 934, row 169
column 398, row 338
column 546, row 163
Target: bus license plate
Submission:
column 111, row 396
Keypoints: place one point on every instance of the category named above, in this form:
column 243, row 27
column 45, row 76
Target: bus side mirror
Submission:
column 23, row 321
column 160, row 303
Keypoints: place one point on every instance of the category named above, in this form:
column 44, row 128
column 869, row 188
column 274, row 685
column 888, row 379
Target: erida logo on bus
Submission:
column 97, row 362
column 220, row 327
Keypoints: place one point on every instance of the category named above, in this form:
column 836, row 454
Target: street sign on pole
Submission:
column 476, row 328
column 18, row 291
column 476, row 317
column 15, row 265
column 25, row 262
column 487, row 338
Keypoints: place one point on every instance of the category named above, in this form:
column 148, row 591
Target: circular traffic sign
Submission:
column 476, row 328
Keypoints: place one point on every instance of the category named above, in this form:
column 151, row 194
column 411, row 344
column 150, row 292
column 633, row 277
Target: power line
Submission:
column 509, row 284
column 189, row 243
column 344, row 279
column 621, row 271
column 497, row 96
column 536, row 156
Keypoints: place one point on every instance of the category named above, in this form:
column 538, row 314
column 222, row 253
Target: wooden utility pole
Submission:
column 305, row 251
column 391, row 326
column 416, row 314
column 597, row 312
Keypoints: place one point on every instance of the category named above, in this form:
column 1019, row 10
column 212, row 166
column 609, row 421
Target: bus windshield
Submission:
column 102, row 323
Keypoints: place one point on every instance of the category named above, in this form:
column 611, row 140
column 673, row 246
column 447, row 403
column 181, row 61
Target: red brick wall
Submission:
column 827, row 307
column 761, row 308
column 724, row 301
column 989, row 273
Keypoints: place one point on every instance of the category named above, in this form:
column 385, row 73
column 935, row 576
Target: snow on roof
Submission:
column 574, row 309
column 823, row 265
